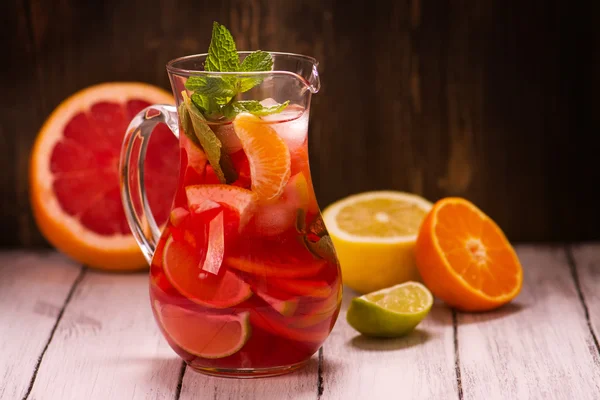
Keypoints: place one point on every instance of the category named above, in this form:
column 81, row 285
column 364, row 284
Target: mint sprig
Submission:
column 192, row 120
column 215, row 97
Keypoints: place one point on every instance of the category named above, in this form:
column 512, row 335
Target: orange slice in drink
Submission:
column 183, row 267
column 465, row 259
column 204, row 335
column 267, row 153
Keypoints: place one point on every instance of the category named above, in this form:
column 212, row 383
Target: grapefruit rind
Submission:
column 64, row 231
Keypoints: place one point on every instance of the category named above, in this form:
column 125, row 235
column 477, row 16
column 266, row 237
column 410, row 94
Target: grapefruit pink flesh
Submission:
column 84, row 164
column 183, row 266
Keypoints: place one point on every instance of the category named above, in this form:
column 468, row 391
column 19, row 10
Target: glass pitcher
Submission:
column 244, row 280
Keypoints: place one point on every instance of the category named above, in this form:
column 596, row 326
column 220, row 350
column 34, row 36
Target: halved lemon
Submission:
column 374, row 235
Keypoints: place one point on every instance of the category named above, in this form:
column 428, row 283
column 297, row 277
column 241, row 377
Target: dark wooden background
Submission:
column 492, row 100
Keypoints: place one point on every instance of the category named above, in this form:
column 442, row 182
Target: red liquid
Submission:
column 248, row 289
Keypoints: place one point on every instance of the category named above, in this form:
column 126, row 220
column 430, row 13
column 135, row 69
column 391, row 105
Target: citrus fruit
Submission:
column 390, row 312
column 319, row 311
column 183, row 268
column 280, row 326
column 303, row 287
column 267, row 153
column 465, row 259
column 204, row 335
column 374, row 235
column 275, row 269
column 239, row 199
column 74, row 176
column 284, row 305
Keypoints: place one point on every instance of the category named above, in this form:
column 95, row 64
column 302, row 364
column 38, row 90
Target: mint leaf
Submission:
column 208, row 140
column 222, row 54
column 323, row 248
column 202, row 102
column 186, row 123
column 216, row 87
column 257, row 61
column 256, row 108
column 194, row 82
column 210, row 106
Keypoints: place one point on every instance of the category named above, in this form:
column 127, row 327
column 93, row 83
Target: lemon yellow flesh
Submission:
column 380, row 217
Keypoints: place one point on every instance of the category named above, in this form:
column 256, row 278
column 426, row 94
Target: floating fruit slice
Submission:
column 216, row 246
column 465, row 259
column 204, row 335
column 285, row 307
column 183, row 268
column 275, row 270
column 241, row 200
column 390, row 312
column 196, row 158
column 374, row 234
column 296, row 192
column 274, row 219
column 74, row 176
column 319, row 313
column 280, row 326
column 303, row 288
column 267, row 153
column 178, row 215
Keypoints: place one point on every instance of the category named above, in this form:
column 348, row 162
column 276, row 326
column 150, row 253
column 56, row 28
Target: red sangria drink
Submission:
column 244, row 280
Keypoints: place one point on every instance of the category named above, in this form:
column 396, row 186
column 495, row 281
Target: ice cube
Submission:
column 291, row 124
column 274, row 219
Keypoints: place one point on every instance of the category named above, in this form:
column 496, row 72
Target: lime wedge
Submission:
column 390, row 312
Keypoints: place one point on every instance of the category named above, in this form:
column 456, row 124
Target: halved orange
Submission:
column 267, row 153
column 465, row 259
column 74, row 175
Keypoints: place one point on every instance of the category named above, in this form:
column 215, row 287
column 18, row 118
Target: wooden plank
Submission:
column 436, row 110
column 107, row 345
column 33, row 291
column 539, row 346
column 297, row 385
column 587, row 272
column 419, row 366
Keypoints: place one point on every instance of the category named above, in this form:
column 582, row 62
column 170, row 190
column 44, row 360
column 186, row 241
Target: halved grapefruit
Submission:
column 74, row 177
column 204, row 335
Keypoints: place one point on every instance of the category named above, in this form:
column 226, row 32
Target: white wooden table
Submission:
column 67, row 332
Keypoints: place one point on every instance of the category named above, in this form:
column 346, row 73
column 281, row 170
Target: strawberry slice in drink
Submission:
column 183, row 264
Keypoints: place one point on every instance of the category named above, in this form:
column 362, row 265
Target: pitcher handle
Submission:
column 131, row 166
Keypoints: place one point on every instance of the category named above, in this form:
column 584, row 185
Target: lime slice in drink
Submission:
column 390, row 312
column 204, row 335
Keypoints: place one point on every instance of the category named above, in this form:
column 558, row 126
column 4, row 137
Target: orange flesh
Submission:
column 476, row 250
